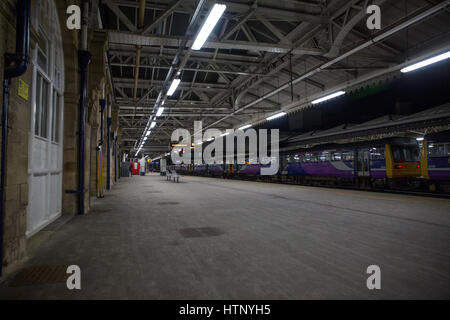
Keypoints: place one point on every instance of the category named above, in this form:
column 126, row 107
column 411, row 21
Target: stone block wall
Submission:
column 17, row 188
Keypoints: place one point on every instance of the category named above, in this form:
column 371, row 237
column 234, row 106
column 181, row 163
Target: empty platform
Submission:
column 207, row 238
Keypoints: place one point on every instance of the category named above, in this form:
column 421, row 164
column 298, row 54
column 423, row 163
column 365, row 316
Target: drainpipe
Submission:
column 102, row 140
column 15, row 65
column 115, row 159
column 108, row 148
column 102, row 121
column 84, row 58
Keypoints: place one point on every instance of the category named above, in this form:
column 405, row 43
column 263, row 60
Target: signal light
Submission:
column 398, row 166
column 418, row 166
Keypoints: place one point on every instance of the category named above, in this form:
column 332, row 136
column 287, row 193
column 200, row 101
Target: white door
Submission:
column 46, row 128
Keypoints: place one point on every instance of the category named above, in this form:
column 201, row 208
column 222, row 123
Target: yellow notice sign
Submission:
column 149, row 160
column 23, row 89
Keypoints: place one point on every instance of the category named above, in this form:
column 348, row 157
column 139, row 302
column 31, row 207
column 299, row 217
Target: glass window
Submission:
column 347, row 156
column 336, row 156
column 377, row 153
column 37, row 123
column 439, row 150
column 406, row 153
column 56, row 116
column 44, row 16
column 42, row 108
column 324, row 157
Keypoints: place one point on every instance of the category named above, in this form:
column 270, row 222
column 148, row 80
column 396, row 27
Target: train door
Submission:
column 45, row 167
column 363, row 163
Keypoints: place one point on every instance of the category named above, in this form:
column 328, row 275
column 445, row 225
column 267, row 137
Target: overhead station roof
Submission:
column 242, row 74
column 416, row 125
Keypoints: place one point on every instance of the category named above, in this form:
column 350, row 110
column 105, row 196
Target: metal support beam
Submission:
column 156, row 40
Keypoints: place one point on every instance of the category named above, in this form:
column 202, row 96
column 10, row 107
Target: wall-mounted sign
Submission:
column 23, row 89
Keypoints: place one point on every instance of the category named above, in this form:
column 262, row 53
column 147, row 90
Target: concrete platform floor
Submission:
column 259, row 241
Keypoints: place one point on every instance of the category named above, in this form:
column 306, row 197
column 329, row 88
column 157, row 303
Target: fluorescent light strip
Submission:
column 153, row 125
column 278, row 115
column 148, row 133
column 328, row 97
column 245, row 127
column 160, row 111
column 173, row 86
column 213, row 17
column 224, row 134
column 426, row 62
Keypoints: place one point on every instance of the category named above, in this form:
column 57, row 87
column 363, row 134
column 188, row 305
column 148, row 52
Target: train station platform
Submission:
column 206, row 238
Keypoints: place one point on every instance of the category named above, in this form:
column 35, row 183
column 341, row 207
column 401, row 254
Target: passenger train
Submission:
column 393, row 163
column 435, row 161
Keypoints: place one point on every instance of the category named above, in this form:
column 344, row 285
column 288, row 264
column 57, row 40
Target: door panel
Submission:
column 363, row 163
column 46, row 126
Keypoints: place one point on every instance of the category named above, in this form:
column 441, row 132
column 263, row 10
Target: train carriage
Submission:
column 435, row 161
column 371, row 163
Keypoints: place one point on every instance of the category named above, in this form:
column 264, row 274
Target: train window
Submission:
column 324, row 157
column 377, row 153
column 347, row 156
column 405, row 153
column 439, row 150
column 336, row 156
column 308, row 157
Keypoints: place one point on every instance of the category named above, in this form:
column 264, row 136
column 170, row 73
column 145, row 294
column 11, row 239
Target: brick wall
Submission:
column 16, row 199
column 15, row 220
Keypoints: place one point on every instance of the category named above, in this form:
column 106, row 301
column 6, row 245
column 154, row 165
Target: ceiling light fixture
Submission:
column 213, row 17
column 328, row 97
column 173, row 87
column 278, row 115
column 426, row 62
column 245, row 127
column 160, row 111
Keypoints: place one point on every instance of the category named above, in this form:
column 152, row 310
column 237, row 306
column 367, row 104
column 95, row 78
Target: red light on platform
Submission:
column 418, row 166
column 398, row 166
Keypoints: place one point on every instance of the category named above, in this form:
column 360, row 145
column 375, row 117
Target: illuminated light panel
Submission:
column 278, row 115
column 329, row 97
column 213, row 17
column 173, row 86
column 160, row 111
column 426, row 62
column 245, row 127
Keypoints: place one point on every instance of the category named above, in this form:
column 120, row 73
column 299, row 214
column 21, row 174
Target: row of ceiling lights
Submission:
column 213, row 18
column 410, row 68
